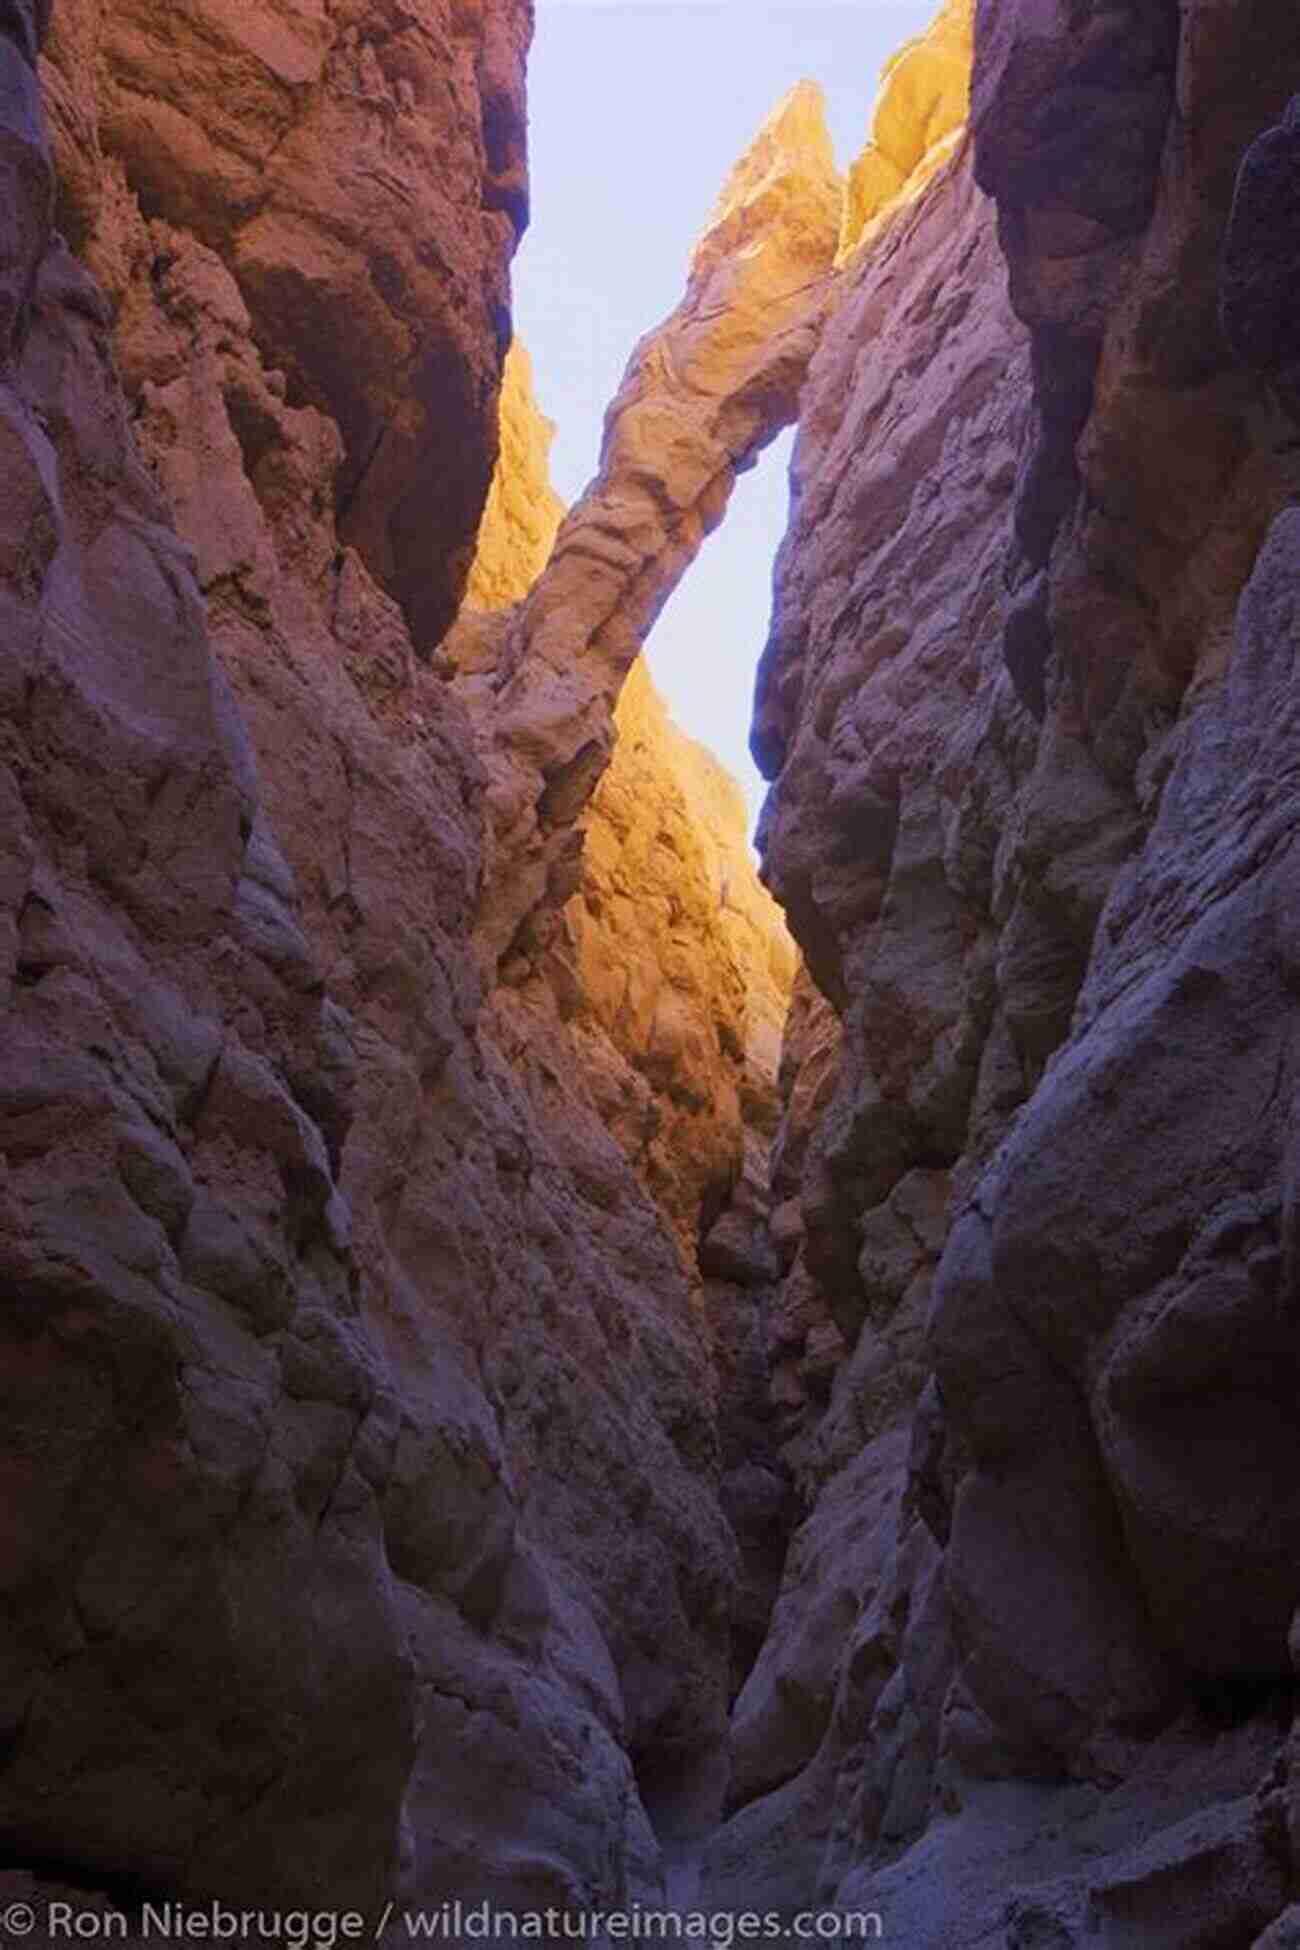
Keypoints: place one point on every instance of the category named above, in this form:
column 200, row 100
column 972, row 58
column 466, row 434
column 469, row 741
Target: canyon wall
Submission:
column 667, row 978
column 361, row 1456
column 1027, row 709
column 439, row 1269
column 385, row 1326
column 670, row 964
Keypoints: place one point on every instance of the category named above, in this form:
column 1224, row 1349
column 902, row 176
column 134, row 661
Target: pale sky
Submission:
column 637, row 110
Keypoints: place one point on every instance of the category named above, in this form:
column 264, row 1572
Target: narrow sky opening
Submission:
column 637, row 110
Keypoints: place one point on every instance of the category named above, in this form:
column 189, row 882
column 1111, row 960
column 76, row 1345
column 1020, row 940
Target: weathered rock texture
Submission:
column 523, row 512
column 385, row 1384
column 673, row 969
column 703, row 394
column 670, row 966
column 361, row 1459
column 1028, row 706
column 919, row 115
column 398, row 1329
column 667, row 979
column 360, row 170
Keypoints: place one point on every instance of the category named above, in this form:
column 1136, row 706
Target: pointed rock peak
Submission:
column 920, row 112
column 797, row 127
column 790, row 162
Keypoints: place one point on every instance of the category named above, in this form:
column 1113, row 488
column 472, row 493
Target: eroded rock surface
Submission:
column 1027, row 707
column 919, row 115
column 361, row 172
column 360, row 1422
column 412, row 1346
column 670, row 965
column 667, row 977
column 523, row 512
column 703, row 394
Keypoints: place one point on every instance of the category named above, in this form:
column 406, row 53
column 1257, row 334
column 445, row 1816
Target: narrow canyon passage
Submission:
column 544, row 1374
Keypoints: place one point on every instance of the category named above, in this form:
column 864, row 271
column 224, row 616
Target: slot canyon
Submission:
column 545, row 1364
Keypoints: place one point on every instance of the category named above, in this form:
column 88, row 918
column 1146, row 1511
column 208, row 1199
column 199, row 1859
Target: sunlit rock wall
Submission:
column 704, row 392
column 360, row 169
column 523, row 512
column 670, row 965
column 667, row 978
column 920, row 112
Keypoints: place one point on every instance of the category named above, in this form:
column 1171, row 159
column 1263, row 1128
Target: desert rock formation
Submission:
column 920, row 114
column 523, row 512
column 363, row 1401
column 1024, row 705
column 667, row 976
column 669, row 965
column 703, row 394
column 440, row 1274
column 295, row 141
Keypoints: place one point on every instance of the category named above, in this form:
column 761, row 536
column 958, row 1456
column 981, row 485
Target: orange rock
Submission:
column 919, row 117
column 523, row 511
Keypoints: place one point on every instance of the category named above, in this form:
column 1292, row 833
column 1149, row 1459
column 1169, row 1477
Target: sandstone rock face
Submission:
column 671, row 965
column 419, row 1309
column 674, row 969
column 667, row 976
column 201, row 1622
column 523, row 512
column 362, row 1462
column 1027, row 705
column 919, row 115
column 703, row 394
column 866, row 705
column 296, row 141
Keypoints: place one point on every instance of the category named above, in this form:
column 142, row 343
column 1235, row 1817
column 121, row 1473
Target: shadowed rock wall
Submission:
column 359, row 1432
column 1026, row 705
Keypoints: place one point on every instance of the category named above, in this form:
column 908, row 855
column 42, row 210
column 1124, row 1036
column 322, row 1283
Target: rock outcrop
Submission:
column 673, row 969
column 523, row 512
column 1026, row 705
column 702, row 395
column 670, row 966
column 667, row 976
column 920, row 114
column 296, row 141
column 359, row 1434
